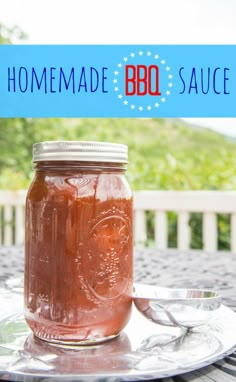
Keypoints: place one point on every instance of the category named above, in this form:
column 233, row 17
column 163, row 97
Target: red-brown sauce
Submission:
column 78, row 260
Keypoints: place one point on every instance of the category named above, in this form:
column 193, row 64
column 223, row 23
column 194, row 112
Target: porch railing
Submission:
column 183, row 203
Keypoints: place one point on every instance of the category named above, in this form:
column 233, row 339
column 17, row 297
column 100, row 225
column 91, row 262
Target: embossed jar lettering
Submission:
column 78, row 261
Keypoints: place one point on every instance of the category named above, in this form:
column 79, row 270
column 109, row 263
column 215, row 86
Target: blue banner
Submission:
column 118, row 81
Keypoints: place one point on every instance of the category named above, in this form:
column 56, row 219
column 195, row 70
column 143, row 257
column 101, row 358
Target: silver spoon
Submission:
column 185, row 308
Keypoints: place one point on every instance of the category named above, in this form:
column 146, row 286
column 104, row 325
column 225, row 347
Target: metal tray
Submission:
column 142, row 351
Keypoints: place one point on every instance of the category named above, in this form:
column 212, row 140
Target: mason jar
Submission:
column 78, row 245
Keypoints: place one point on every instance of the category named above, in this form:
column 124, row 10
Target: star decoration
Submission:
column 120, row 92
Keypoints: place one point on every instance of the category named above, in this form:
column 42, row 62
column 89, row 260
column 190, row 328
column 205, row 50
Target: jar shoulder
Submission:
column 74, row 186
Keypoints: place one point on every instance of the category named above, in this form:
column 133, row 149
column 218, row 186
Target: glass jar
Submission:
column 78, row 249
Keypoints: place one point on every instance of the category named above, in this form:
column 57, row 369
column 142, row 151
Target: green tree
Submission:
column 7, row 35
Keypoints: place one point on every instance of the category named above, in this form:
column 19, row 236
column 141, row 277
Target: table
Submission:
column 174, row 269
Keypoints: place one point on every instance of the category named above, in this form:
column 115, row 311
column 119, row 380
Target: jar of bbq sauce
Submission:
column 78, row 247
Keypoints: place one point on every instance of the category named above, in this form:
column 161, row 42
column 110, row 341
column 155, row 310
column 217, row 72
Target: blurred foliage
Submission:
column 8, row 35
column 164, row 154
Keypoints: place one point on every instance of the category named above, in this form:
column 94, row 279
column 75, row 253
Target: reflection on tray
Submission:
column 143, row 351
column 23, row 352
column 187, row 348
column 38, row 355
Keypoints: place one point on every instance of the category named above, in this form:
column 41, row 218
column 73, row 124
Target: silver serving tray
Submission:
column 143, row 351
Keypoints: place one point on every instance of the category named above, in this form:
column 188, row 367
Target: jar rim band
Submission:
column 88, row 151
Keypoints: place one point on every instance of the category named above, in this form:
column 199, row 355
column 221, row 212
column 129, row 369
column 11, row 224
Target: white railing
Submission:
column 209, row 203
column 12, row 214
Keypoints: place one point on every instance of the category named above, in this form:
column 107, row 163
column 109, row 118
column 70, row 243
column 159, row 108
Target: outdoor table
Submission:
column 171, row 268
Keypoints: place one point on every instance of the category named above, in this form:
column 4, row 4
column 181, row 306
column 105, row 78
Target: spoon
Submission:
column 185, row 308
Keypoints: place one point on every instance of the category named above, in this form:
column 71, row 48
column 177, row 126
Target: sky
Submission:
column 127, row 22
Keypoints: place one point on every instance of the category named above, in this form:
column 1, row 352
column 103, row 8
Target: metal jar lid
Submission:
column 80, row 151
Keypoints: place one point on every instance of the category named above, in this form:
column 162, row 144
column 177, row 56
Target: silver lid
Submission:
column 80, row 151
